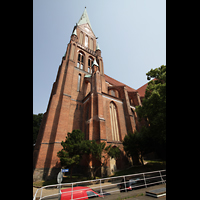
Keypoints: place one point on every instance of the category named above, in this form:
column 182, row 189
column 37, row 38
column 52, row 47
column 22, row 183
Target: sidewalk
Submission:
column 133, row 195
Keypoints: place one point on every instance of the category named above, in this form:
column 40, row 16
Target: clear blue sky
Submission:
column 131, row 35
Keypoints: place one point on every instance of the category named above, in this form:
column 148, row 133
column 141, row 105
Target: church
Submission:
column 85, row 98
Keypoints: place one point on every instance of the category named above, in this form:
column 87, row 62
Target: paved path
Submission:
column 110, row 196
column 122, row 195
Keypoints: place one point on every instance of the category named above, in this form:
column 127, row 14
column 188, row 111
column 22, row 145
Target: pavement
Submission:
column 117, row 195
column 135, row 194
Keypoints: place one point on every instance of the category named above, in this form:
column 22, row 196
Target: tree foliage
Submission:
column 37, row 119
column 73, row 149
column 102, row 153
column 137, row 144
column 154, row 109
column 75, row 146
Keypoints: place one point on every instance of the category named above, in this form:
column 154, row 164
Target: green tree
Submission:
column 37, row 119
column 102, row 153
column 154, row 109
column 73, row 149
column 75, row 146
column 136, row 144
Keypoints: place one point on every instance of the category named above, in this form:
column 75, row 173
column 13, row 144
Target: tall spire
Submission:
column 95, row 63
column 74, row 33
column 84, row 19
column 97, row 47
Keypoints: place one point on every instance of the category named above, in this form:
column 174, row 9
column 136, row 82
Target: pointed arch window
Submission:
column 81, row 38
column 114, row 122
column 86, row 41
column 80, row 62
column 91, row 44
column 90, row 62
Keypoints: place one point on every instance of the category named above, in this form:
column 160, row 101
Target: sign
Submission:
column 65, row 170
column 60, row 177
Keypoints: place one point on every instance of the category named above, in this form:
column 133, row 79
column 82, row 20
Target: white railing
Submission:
column 109, row 185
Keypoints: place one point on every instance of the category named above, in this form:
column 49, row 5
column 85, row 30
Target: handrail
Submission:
column 146, row 180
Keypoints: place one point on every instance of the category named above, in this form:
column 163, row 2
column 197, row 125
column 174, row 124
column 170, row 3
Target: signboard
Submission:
column 60, row 177
column 65, row 170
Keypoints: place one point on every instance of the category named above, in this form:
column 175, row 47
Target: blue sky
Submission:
column 131, row 35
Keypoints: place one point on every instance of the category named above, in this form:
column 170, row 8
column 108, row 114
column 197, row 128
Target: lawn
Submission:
column 66, row 179
column 152, row 165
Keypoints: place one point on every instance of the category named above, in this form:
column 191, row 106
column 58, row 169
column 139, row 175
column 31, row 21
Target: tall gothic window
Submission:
column 81, row 38
column 86, row 41
column 80, row 62
column 114, row 122
column 90, row 61
column 91, row 44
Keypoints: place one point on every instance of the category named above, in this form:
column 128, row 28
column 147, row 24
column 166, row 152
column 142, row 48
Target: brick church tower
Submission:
column 84, row 98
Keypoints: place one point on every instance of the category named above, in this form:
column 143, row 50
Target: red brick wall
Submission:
column 66, row 110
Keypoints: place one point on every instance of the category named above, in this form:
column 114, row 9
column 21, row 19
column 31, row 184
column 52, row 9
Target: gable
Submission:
column 117, row 83
column 86, row 28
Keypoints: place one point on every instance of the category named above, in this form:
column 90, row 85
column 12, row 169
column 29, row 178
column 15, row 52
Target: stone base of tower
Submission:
column 45, row 174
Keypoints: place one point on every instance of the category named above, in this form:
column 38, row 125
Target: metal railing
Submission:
column 106, row 186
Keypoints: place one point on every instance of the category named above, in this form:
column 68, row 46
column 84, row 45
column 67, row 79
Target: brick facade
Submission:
column 85, row 106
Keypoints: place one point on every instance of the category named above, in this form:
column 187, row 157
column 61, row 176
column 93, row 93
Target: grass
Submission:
column 152, row 165
column 66, row 179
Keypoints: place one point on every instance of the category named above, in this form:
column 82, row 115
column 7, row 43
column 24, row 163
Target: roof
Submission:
column 142, row 89
column 97, row 47
column 74, row 33
column 95, row 63
column 117, row 83
column 84, row 19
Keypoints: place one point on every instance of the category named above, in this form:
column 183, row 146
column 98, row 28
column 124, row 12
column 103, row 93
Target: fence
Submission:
column 102, row 187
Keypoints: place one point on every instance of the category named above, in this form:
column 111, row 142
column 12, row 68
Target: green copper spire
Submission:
column 95, row 63
column 97, row 47
column 84, row 19
column 74, row 33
